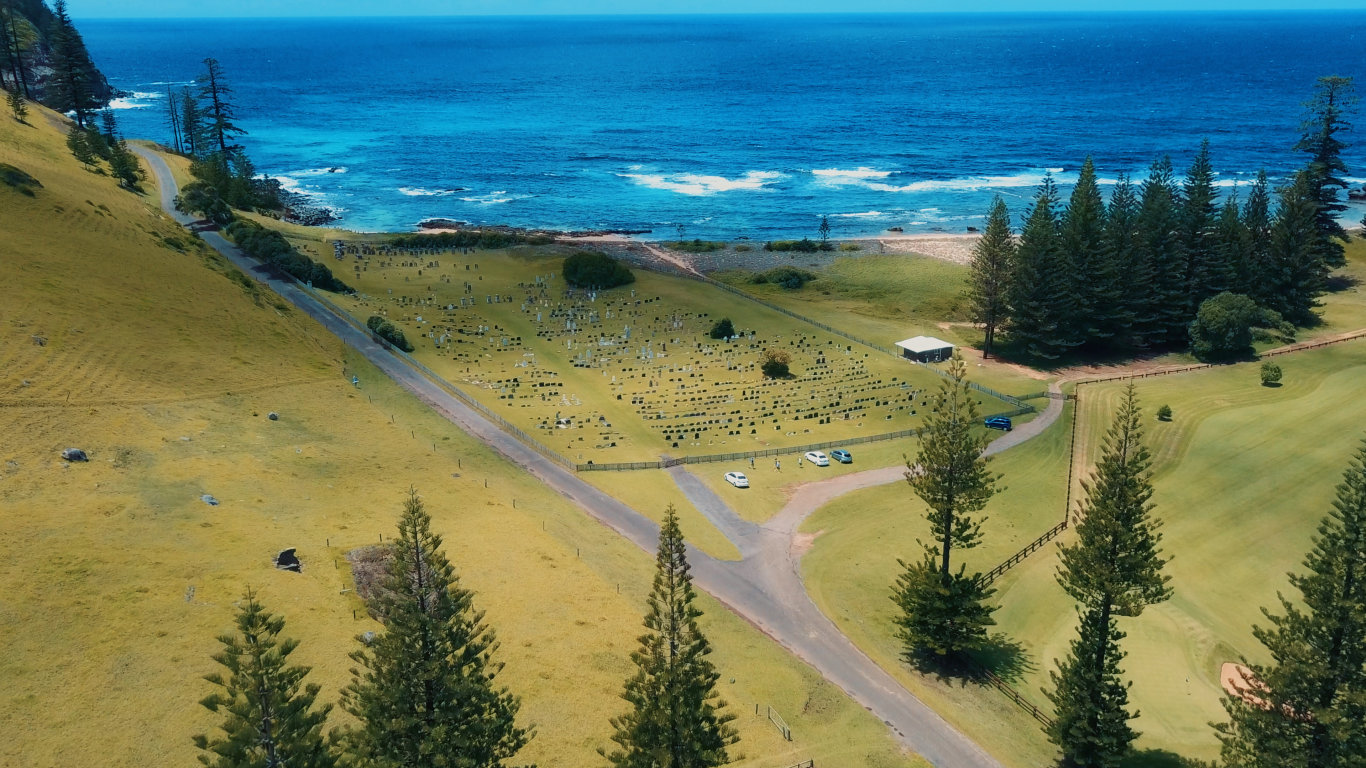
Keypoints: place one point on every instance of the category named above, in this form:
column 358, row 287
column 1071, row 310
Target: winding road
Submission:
column 764, row 587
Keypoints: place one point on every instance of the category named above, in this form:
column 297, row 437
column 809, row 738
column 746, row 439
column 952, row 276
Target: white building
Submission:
column 925, row 349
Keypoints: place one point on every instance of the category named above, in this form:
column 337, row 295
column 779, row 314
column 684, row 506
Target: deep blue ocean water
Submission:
column 737, row 126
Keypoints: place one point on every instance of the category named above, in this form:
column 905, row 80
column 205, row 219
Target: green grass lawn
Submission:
column 573, row 370
column 852, row 566
column 1243, row 473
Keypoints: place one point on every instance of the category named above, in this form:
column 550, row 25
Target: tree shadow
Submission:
column 1340, row 282
column 1158, row 758
column 1003, row 657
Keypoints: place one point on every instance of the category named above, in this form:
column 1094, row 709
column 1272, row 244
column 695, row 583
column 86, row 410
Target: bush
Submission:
column 473, row 238
column 592, row 269
column 389, row 332
column 1271, row 374
column 271, row 247
column 850, row 247
column 202, row 198
column 742, row 248
column 804, row 245
column 1223, row 326
column 724, row 329
column 697, row 246
column 790, row 278
column 1164, row 413
column 776, row 364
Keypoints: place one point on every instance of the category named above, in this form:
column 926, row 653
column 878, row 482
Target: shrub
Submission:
column 805, row 245
column 724, row 329
column 1271, row 374
column 272, row 248
column 593, row 269
column 850, row 247
column 199, row 197
column 1164, row 413
column 472, row 238
column 1223, row 326
column 697, row 246
column 389, row 332
column 742, row 248
column 776, row 364
column 790, row 278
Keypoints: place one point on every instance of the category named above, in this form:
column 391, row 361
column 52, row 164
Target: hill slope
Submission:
column 162, row 362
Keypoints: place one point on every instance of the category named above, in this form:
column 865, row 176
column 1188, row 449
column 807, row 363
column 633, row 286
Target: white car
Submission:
column 818, row 458
column 737, row 479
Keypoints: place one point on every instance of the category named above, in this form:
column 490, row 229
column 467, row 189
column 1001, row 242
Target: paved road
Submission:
column 764, row 588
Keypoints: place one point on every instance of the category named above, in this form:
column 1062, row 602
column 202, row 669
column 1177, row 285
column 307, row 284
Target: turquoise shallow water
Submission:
column 736, row 126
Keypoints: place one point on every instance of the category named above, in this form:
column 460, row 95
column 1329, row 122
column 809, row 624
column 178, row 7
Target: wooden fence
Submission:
column 1014, row 695
column 1031, row 548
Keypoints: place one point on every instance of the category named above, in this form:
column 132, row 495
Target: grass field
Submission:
column 850, row 570
column 1243, row 474
column 162, row 363
column 886, row 298
column 630, row 374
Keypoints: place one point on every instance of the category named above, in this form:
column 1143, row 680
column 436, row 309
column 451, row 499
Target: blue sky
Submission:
column 259, row 8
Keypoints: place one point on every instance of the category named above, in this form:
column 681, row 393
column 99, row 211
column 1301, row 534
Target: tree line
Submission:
column 1092, row 276
column 1307, row 708
column 424, row 689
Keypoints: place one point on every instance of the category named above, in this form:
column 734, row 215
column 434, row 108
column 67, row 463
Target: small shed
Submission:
column 925, row 349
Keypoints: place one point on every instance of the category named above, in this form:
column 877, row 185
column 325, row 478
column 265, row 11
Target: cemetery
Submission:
column 631, row 373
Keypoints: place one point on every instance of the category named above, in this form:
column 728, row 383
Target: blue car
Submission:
column 842, row 456
column 998, row 422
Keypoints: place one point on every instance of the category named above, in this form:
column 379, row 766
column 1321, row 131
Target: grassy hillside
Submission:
column 162, row 362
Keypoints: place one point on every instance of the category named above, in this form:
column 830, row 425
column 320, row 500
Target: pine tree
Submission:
column 1325, row 119
column 124, row 166
column 218, row 113
column 17, row 106
column 1164, row 315
column 71, row 67
column 423, row 690
column 191, row 124
column 1256, row 266
column 989, row 280
column 173, row 121
column 1083, row 239
column 1040, row 297
column 1309, row 706
column 1090, row 698
column 1233, row 246
column 944, row 613
column 1123, row 277
column 78, row 141
column 676, row 719
column 1112, row 569
column 1206, row 271
column 12, row 40
column 269, row 717
column 1298, row 271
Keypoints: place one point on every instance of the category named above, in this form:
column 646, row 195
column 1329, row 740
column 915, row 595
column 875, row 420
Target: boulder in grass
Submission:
column 74, row 454
column 287, row 560
column 273, row 416
column 207, row 499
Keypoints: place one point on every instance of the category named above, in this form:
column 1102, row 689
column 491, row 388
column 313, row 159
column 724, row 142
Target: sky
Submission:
column 285, row 8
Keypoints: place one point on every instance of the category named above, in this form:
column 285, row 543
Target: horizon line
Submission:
column 733, row 14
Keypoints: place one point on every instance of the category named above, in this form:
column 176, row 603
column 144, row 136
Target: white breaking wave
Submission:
column 841, row 175
column 136, row 100
column 495, row 198
column 698, row 185
column 863, row 215
column 320, row 171
column 420, row 192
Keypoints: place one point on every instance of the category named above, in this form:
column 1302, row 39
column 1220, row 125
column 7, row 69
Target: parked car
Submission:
column 737, row 479
column 842, row 456
column 818, row 458
column 998, row 422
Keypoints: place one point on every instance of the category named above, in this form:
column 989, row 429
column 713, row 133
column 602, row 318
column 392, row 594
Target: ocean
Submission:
column 737, row 126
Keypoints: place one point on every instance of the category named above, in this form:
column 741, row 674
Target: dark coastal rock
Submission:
column 972, row 229
column 74, row 454
column 1356, row 194
column 895, row 229
column 440, row 224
